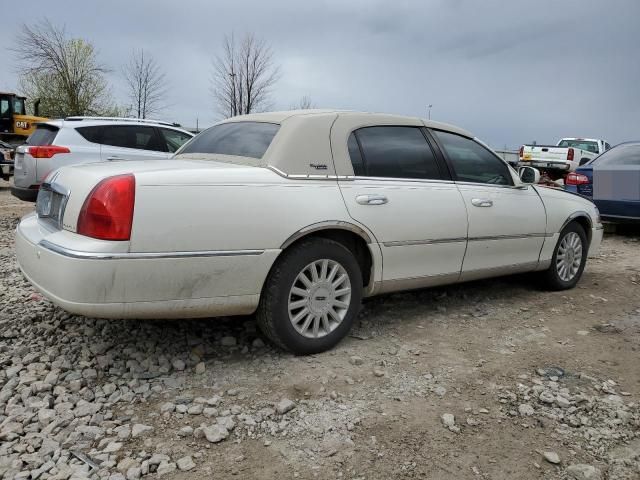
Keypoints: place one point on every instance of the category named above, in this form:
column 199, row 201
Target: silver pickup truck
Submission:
column 566, row 156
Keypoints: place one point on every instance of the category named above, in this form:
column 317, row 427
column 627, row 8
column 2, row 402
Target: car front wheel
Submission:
column 569, row 258
column 311, row 297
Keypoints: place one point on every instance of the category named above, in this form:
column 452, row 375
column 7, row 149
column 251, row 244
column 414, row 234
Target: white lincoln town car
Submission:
column 297, row 216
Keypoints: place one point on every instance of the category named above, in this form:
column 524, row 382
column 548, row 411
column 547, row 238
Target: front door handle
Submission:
column 371, row 199
column 481, row 202
column 114, row 157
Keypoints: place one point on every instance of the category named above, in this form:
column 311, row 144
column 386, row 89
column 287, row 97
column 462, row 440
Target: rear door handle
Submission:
column 114, row 158
column 371, row 199
column 481, row 202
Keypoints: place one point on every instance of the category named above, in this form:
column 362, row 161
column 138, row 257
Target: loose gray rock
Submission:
column 581, row 471
column 165, row 468
column 355, row 360
column 139, row 429
column 200, row 368
column 552, row 457
column 215, row 433
column 178, row 365
column 285, row 405
column 185, row 463
column 526, row 410
column 448, row 420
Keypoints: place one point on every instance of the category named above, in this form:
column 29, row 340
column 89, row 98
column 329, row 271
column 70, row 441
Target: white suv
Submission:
column 57, row 143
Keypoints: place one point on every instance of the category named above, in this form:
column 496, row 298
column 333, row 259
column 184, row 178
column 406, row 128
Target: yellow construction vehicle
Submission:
column 15, row 124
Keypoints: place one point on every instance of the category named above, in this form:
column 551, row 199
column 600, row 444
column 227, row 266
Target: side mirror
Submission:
column 529, row 175
column 584, row 160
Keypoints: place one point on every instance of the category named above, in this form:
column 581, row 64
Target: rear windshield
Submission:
column 243, row 139
column 628, row 154
column 581, row 144
column 44, row 135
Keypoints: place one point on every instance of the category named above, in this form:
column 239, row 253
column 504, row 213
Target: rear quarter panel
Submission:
column 251, row 208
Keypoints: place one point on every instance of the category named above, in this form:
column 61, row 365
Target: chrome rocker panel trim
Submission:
column 142, row 255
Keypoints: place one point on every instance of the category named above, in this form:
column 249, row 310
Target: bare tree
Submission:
column 243, row 76
column 304, row 103
column 64, row 73
column 147, row 84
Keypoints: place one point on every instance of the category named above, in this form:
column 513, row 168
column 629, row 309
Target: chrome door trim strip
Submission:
column 510, row 237
column 406, row 243
column 67, row 252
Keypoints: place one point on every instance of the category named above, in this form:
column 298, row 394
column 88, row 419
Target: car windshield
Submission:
column 242, row 139
column 581, row 144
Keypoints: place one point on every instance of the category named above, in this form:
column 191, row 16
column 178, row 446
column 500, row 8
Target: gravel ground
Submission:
column 487, row 380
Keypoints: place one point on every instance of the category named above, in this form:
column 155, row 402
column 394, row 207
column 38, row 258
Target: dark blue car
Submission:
column 612, row 181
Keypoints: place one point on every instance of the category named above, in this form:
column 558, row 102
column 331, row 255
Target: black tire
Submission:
column 551, row 279
column 273, row 311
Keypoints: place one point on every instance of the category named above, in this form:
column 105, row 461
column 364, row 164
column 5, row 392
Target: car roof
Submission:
column 73, row 122
column 282, row 116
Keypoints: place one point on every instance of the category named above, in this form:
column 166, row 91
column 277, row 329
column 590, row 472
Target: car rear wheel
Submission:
column 569, row 258
column 311, row 297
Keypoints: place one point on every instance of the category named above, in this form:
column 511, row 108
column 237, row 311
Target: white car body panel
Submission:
column 509, row 233
column 208, row 228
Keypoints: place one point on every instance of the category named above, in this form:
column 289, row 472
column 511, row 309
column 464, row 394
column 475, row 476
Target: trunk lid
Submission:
column 76, row 182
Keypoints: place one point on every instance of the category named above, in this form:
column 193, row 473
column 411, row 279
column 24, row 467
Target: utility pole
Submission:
column 429, row 111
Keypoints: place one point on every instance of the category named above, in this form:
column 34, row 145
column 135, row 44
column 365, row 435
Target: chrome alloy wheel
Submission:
column 319, row 298
column 569, row 256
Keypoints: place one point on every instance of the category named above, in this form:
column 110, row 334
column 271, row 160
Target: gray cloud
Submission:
column 510, row 72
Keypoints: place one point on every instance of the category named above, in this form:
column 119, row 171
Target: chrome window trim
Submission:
column 295, row 176
column 67, row 252
column 401, row 179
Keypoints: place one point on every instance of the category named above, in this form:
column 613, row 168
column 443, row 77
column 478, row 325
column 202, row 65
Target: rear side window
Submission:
column 356, row 156
column 242, row 139
column 174, row 138
column 472, row 162
column 91, row 134
column 394, row 152
column 134, row 136
column 44, row 135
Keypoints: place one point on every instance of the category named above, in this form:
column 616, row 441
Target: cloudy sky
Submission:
column 511, row 71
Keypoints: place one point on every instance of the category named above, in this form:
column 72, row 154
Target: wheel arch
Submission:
column 584, row 220
column 355, row 238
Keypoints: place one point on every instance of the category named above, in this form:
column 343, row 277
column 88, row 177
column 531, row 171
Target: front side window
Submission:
column 242, row 139
column 174, row 138
column 393, row 152
column 472, row 162
column 134, row 136
column 4, row 108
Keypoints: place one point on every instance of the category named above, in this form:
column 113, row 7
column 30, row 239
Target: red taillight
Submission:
column 107, row 212
column 47, row 151
column 576, row 179
column 570, row 154
column 521, row 153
